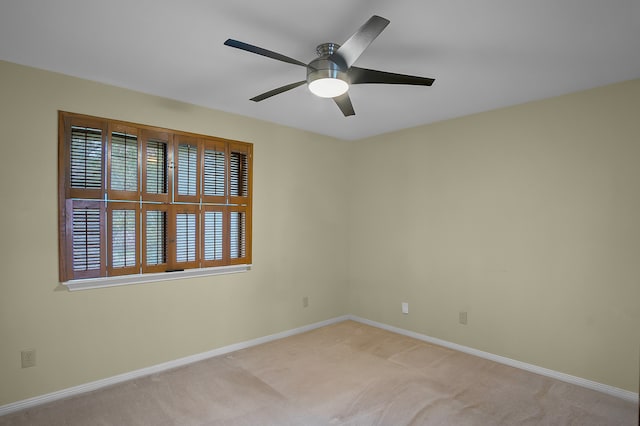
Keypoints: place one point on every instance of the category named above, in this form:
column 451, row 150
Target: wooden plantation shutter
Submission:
column 239, row 218
column 124, row 162
column 86, row 154
column 213, row 242
column 81, row 160
column 239, row 175
column 185, row 244
column 84, row 238
column 187, row 170
column 215, row 247
column 214, row 172
column 123, row 242
column 123, row 154
column 238, row 234
column 157, row 164
column 155, row 253
column 136, row 199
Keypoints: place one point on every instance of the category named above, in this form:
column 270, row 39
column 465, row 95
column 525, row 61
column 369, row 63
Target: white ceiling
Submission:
column 483, row 54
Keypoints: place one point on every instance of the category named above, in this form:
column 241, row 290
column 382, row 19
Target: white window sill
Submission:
column 89, row 283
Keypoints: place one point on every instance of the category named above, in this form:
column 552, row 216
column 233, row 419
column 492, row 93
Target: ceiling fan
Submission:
column 330, row 74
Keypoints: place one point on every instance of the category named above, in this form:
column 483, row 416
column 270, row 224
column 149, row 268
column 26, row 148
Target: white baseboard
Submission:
column 589, row 384
column 92, row 386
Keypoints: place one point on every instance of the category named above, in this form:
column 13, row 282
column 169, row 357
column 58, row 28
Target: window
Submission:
column 136, row 199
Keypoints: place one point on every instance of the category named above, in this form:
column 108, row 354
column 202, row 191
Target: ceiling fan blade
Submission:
column 277, row 91
column 364, row 76
column 351, row 49
column 264, row 52
column 344, row 103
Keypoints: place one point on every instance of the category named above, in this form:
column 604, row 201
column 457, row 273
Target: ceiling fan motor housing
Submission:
column 323, row 67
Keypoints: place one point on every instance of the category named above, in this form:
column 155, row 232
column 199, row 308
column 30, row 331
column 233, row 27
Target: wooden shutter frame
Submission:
column 241, row 203
column 109, row 200
column 70, row 207
column 246, row 149
column 66, row 193
column 123, row 195
column 68, row 123
column 166, row 138
column 218, row 146
column 225, row 241
column 176, row 209
column 246, row 259
column 186, row 140
column 111, row 271
column 162, row 267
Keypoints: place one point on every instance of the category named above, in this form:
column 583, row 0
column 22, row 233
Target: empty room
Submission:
column 336, row 213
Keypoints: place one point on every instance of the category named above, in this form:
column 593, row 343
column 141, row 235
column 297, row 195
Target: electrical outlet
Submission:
column 462, row 318
column 28, row 358
column 305, row 302
column 405, row 308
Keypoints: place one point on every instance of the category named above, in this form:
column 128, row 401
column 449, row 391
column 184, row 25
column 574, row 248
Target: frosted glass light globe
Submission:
column 328, row 87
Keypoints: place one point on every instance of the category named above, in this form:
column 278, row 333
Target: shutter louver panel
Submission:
column 237, row 225
column 124, row 235
column 187, row 169
column 239, row 174
column 86, row 158
column 213, row 173
column 124, row 162
column 156, row 161
column 185, row 237
column 213, row 236
column 86, row 237
column 156, row 237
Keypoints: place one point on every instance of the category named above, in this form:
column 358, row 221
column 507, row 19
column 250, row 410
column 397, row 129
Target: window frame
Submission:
column 141, row 201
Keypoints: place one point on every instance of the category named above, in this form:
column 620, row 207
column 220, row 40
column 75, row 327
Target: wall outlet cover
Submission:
column 28, row 358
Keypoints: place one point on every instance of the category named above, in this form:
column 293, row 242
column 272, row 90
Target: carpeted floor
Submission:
column 344, row 374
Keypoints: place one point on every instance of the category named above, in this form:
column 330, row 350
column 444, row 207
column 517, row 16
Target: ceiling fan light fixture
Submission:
column 328, row 87
column 326, row 78
column 332, row 72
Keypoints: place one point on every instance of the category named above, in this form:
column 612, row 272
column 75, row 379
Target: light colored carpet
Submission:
column 344, row 374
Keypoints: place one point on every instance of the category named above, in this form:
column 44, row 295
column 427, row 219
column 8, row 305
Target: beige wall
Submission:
column 299, row 244
column 528, row 218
